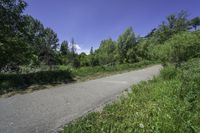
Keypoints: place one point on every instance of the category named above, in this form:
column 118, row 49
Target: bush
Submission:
column 169, row 72
column 9, row 82
column 184, row 46
column 180, row 48
column 88, row 71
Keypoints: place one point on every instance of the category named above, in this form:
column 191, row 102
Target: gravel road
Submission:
column 44, row 111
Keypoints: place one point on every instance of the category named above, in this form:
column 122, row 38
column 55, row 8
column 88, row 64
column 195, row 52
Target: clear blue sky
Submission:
column 90, row 21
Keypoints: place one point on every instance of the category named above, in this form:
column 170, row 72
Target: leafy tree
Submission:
column 175, row 23
column 151, row 33
column 73, row 47
column 125, row 41
column 35, row 37
column 48, row 49
column 84, row 60
column 73, row 56
column 91, row 51
column 105, row 53
column 13, row 45
column 64, row 49
column 195, row 22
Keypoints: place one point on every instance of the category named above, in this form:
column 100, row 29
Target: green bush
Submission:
column 180, row 48
column 184, row 46
column 9, row 82
column 88, row 71
column 169, row 72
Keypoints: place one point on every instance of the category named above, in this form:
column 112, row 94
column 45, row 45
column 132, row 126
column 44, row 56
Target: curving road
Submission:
column 45, row 111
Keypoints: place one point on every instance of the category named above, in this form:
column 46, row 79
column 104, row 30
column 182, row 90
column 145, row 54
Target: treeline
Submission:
column 24, row 41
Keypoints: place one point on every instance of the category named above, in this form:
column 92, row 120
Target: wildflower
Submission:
column 141, row 125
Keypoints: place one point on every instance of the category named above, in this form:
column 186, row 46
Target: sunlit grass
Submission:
column 159, row 105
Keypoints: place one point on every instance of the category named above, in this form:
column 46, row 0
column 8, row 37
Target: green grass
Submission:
column 168, row 104
column 20, row 82
column 85, row 73
column 35, row 79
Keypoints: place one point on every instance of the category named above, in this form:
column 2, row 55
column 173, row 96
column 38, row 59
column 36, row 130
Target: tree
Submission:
column 64, row 49
column 91, row 51
column 35, row 37
column 195, row 22
column 105, row 53
column 73, row 55
column 125, row 41
column 73, row 47
column 84, row 60
column 175, row 23
column 13, row 43
column 150, row 34
column 48, row 49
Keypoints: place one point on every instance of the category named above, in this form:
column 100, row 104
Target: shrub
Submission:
column 184, row 46
column 9, row 82
column 169, row 72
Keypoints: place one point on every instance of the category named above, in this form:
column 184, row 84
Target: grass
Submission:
column 167, row 103
column 80, row 74
column 86, row 73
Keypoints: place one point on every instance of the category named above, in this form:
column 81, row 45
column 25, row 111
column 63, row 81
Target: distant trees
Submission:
column 84, row 59
column 175, row 23
column 91, row 51
column 64, row 48
column 195, row 22
column 25, row 41
column 125, row 42
column 106, row 52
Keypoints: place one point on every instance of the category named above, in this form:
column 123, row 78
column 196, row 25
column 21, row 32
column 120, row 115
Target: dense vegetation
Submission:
column 31, row 54
column 26, row 42
column 168, row 103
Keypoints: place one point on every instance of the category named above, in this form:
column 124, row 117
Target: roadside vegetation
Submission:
column 169, row 102
column 42, row 78
column 31, row 54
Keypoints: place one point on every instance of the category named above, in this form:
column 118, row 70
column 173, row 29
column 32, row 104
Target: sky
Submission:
column 91, row 21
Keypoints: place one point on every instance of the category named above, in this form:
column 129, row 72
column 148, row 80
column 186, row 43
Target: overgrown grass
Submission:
column 19, row 82
column 100, row 71
column 45, row 76
column 168, row 104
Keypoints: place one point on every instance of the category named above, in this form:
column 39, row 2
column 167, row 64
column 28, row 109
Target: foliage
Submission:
column 105, row 53
column 175, row 23
column 11, row 82
column 169, row 72
column 184, row 46
column 90, row 71
column 195, row 22
column 12, row 39
column 160, row 105
column 64, row 48
column 125, row 42
column 84, row 60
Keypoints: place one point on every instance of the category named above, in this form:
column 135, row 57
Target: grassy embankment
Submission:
column 30, row 80
column 169, row 103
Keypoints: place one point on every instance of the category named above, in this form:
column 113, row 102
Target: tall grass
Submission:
column 99, row 70
column 168, row 104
